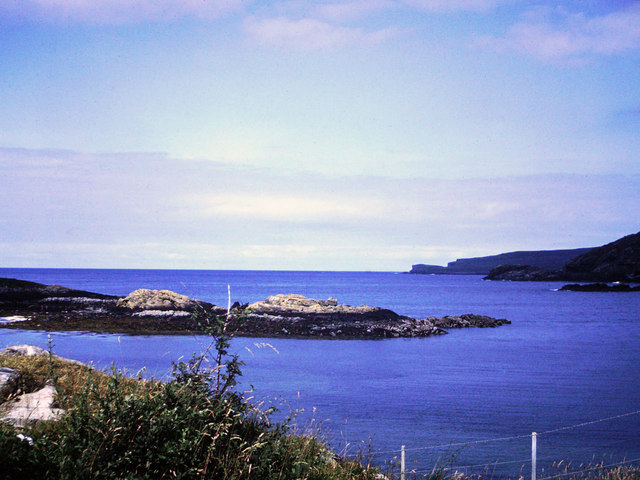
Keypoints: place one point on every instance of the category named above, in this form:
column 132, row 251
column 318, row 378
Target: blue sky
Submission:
column 338, row 135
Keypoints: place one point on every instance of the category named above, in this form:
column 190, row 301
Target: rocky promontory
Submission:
column 29, row 305
column 617, row 261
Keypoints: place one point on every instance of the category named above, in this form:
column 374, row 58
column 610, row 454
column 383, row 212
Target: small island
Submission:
column 35, row 306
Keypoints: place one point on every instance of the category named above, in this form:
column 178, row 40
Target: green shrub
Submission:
column 192, row 427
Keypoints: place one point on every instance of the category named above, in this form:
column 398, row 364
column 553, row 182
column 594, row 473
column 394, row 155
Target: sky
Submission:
column 325, row 135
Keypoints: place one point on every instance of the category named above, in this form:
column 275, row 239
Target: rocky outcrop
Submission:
column 23, row 351
column 9, row 381
column 31, row 407
column 30, row 305
column 600, row 287
column 163, row 300
column 165, row 312
column 617, row 261
column 520, row 273
column 466, row 321
column 299, row 316
column 20, row 408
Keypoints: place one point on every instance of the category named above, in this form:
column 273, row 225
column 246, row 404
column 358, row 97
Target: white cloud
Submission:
column 115, row 11
column 574, row 36
column 310, row 33
column 446, row 6
column 153, row 211
column 283, row 208
column 350, row 11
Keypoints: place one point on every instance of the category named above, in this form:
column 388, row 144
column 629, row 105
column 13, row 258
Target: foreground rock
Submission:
column 31, row 407
column 21, row 408
column 165, row 312
column 299, row 316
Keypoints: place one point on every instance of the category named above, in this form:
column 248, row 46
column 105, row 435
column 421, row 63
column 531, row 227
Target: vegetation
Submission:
column 192, row 427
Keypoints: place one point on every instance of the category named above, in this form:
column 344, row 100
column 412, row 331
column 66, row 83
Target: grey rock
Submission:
column 31, row 407
column 9, row 381
column 23, row 350
column 145, row 299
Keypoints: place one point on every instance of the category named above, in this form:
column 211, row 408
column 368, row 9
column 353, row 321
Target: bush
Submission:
column 193, row 427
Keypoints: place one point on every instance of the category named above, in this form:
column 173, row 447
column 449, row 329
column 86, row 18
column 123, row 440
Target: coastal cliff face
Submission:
column 166, row 312
column 542, row 259
column 617, row 261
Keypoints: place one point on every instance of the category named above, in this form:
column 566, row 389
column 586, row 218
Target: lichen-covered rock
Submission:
column 294, row 303
column 145, row 299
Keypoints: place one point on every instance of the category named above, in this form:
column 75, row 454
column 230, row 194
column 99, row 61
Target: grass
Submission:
column 116, row 427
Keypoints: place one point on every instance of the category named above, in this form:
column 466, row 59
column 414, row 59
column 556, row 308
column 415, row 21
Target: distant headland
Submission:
column 618, row 261
column 545, row 259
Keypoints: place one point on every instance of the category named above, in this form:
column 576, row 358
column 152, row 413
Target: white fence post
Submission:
column 402, row 466
column 534, row 448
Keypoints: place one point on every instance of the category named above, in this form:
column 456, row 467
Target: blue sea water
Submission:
column 568, row 358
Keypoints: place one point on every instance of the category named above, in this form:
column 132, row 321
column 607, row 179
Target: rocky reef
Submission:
column 28, row 305
column 600, row 287
column 298, row 316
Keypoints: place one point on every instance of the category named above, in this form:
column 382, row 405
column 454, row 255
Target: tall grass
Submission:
column 192, row 427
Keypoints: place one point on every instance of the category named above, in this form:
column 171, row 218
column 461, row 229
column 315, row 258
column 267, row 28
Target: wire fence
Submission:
column 564, row 468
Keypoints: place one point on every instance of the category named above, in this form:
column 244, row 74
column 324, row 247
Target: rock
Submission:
column 31, row 407
column 50, row 307
column 23, row 350
column 145, row 299
column 296, row 315
column 600, row 287
column 468, row 320
column 293, row 303
column 522, row 273
column 617, row 261
column 9, row 380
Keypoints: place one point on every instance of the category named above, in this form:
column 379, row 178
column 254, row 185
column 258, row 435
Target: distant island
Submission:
column 618, row 261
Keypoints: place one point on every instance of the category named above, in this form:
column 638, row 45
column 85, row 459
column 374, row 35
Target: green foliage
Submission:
column 193, row 427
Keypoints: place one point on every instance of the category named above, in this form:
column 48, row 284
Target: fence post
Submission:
column 534, row 448
column 402, row 466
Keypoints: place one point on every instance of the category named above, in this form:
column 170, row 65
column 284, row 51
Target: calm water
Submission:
column 568, row 358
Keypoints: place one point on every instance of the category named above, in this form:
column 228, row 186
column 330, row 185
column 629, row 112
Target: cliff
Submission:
column 542, row 259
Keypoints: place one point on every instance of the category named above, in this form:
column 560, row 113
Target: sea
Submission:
column 566, row 368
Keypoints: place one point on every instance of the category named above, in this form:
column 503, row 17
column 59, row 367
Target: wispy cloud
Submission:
column 561, row 35
column 311, row 33
column 116, row 12
column 449, row 6
column 62, row 208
